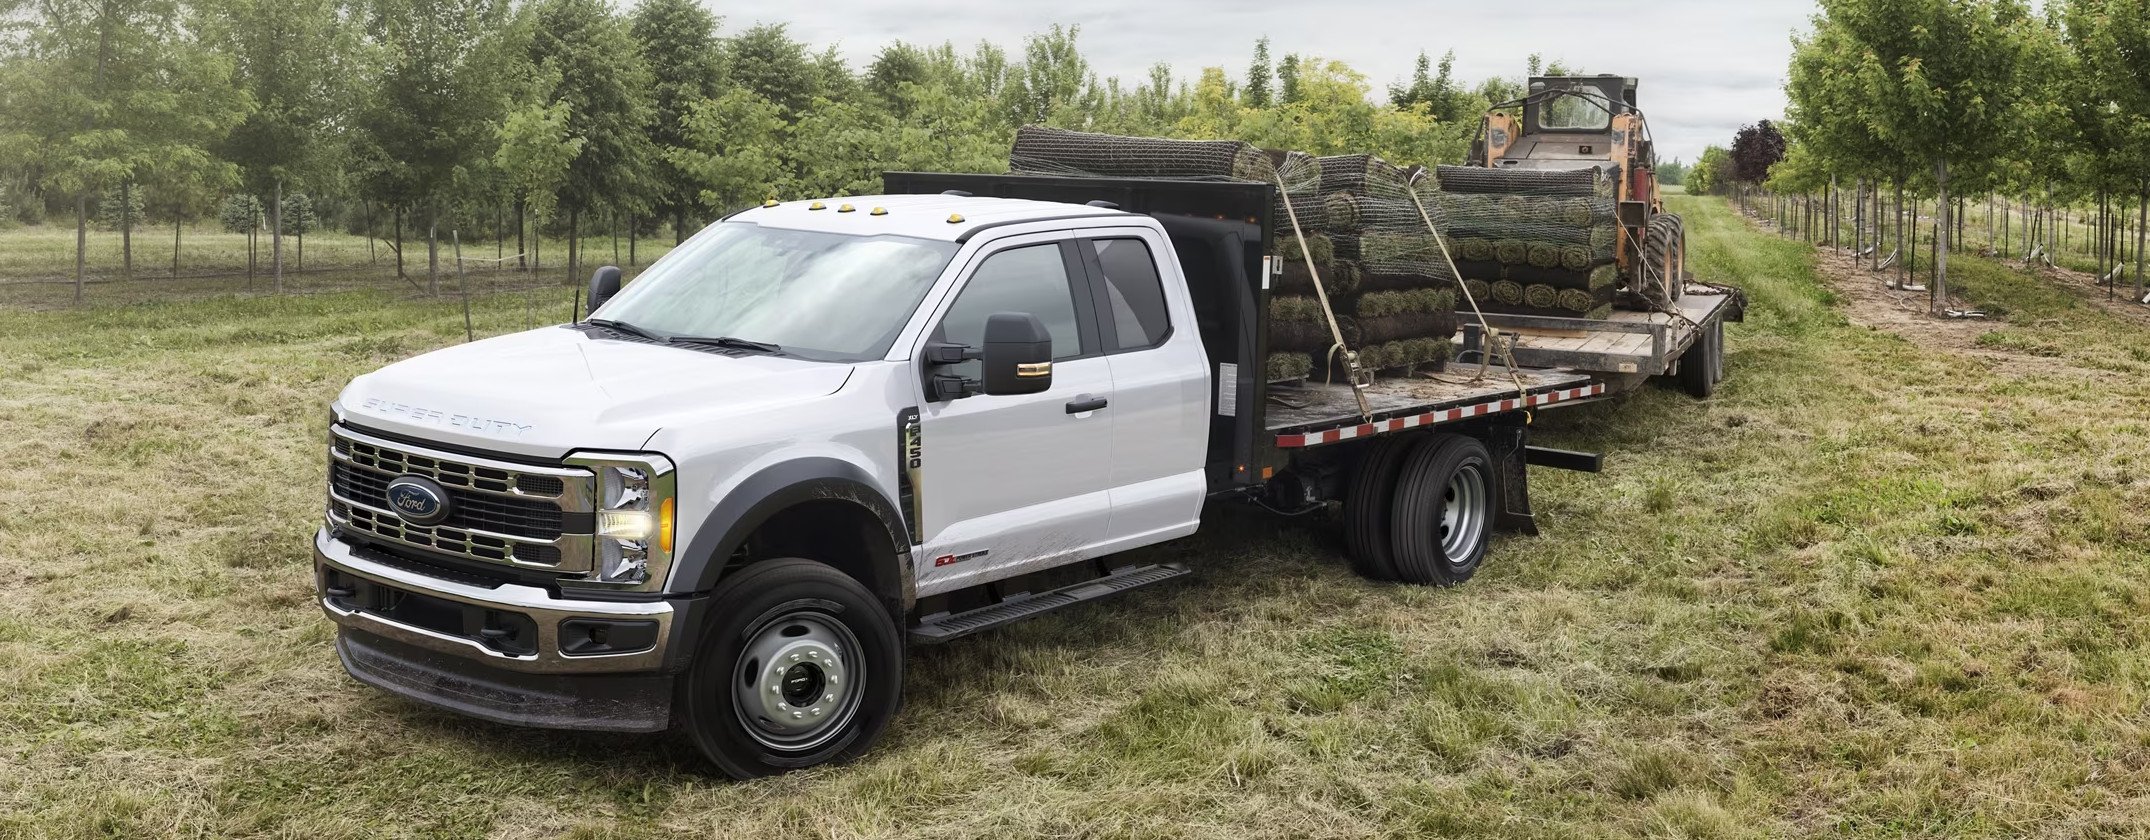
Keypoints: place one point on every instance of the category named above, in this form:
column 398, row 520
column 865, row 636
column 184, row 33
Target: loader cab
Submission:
column 1570, row 104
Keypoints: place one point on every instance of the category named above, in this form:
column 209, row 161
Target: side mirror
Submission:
column 603, row 285
column 1018, row 354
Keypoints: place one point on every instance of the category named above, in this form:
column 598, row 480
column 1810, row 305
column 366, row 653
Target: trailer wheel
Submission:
column 1702, row 366
column 1444, row 511
column 1367, row 508
column 799, row 665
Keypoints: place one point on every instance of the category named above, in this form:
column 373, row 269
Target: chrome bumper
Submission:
column 544, row 610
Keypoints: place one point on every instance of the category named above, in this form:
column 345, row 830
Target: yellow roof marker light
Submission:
column 845, row 209
column 771, row 203
column 817, row 206
column 878, row 211
column 955, row 218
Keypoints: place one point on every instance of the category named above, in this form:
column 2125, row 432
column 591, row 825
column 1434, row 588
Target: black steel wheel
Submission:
column 799, row 665
column 1367, row 507
column 1443, row 515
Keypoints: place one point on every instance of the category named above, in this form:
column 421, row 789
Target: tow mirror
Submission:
column 603, row 285
column 1018, row 354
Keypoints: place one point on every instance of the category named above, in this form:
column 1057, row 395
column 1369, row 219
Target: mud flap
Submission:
column 1508, row 444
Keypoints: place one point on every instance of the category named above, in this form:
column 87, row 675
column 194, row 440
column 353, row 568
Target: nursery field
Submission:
column 1889, row 582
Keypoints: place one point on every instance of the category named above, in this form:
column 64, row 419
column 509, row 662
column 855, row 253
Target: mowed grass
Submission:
column 1871, row 590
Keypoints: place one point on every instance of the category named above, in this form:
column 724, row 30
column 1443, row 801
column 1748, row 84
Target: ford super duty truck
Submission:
column 821, row 431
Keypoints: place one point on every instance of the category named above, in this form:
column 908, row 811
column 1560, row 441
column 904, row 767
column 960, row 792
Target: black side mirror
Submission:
column 603, row 285
column 1018, row 354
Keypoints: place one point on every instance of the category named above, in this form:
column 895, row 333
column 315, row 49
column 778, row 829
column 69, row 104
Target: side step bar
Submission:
column 948, row 626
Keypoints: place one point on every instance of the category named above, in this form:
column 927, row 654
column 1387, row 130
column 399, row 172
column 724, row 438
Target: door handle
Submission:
column 1085, row 403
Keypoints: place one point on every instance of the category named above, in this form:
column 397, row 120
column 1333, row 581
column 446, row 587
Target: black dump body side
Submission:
column 1220, row 231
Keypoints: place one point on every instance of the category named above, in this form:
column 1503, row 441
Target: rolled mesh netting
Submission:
column 1541, row 296
column 1576, row 300
column 1480, row 290
column 1040, row 150
column 1338, row 278
column 1588, row 182
column 1284, row 367
column 1348, row 211
column 1396, row 354
column 1395, row 253
column 1320, row 246
column 1563, row 221
column 1370, row 283
column 1406, row 314
column 1363, row 175
column 1298, row 324
column 1544, row 254
column 1507, row 292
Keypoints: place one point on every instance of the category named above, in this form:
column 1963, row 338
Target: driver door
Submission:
column 1015, row 483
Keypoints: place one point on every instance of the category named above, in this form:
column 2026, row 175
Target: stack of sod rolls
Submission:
column 1533, row 242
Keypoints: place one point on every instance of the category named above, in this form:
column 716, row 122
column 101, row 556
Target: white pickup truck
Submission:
column 819, row 431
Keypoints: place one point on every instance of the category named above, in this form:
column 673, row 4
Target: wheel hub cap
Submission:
column 798, row 681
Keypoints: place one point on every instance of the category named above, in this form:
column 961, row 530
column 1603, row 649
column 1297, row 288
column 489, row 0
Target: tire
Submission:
column 1702, row 366
column 849, row 668
column 1443, row 513
column 1660, row 275
column 1366, row 509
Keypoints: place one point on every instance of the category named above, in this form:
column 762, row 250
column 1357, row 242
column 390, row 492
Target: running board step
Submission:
column 947, row 626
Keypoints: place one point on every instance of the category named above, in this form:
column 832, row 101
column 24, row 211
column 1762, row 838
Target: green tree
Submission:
column 1048, row 87
column 591, row 60
column 731, row 150
column 768, row 62
column 1260, row 75
column 1942, row 79
column 426, row 128
column 111, row 93
column 1712, row 173
column 679, row 44
column 535, row 150
column 2110, row 42
column 293, row 58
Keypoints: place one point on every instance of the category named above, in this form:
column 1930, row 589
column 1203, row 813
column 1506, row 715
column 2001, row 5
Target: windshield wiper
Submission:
column 726, row 342
column 624, row 327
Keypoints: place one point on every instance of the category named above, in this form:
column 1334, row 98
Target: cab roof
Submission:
column 950, row 218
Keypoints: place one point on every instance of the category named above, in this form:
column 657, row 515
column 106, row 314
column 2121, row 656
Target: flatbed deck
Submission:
column 1315, row 413
column 1626, row 343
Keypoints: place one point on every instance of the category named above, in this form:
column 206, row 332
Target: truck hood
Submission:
column 548, row 392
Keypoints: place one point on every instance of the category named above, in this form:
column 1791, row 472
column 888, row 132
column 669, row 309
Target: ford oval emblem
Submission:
column 418, row 501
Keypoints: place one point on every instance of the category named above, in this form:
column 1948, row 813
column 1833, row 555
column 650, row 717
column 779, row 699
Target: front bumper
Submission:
column 507, row 626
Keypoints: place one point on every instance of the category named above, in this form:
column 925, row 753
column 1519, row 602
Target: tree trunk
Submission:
column 176, row 223
column 522, row 249
column 574, row 243
column 400, row 274
column 433, row 248
column 613, row 218
column 631, row 239
column 1938, row 296
column 679, row 226
column 250, row 257
column 82, row 239
column 126, row 229
column 276, row 237
column 371, row 258
column 2142, row 221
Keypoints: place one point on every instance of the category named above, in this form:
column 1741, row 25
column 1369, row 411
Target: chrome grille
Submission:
column 521, row 515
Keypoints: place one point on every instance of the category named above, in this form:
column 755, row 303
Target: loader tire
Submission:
column 1661, row 276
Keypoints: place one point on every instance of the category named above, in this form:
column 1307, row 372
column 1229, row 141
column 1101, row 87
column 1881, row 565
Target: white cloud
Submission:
column 1707, row 66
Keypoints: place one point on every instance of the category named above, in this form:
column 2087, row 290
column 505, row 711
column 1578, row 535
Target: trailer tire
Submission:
column 1443, row 513
column 849, row 670
column 1367, row 507
column 1702, row 366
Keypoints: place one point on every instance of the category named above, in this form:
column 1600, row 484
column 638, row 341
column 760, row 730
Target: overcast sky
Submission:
column 1707, row 66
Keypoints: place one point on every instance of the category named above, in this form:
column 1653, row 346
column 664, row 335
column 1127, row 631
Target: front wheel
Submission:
column 800, row 665
column 1444, row 511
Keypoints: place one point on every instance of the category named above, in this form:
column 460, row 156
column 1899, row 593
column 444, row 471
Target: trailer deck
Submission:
column 1626, row 343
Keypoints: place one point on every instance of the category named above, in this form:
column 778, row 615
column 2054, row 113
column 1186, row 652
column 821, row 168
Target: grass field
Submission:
column 1873, row 589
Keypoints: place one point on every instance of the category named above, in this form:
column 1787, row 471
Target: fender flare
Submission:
column 764, row 494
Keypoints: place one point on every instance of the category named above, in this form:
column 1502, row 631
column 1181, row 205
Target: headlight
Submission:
column 634, row 506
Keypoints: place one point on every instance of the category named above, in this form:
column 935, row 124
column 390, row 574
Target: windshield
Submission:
column 831, row 296
column 1578, row 111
